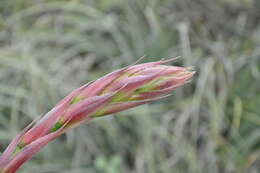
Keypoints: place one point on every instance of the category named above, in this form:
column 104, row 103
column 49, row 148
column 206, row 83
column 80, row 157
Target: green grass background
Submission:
column 212, row 124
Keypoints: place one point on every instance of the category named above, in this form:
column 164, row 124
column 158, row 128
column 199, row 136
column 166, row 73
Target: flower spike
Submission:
column 117, row 91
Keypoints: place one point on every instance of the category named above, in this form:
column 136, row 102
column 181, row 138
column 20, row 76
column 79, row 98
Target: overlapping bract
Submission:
column 122, row 89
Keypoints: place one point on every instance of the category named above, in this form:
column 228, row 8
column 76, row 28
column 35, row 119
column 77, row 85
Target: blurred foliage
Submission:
column 49, row 47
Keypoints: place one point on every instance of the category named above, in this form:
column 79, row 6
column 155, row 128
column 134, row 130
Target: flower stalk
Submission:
column 117, row 91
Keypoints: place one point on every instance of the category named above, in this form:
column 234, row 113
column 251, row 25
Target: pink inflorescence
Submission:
column 122, row 89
